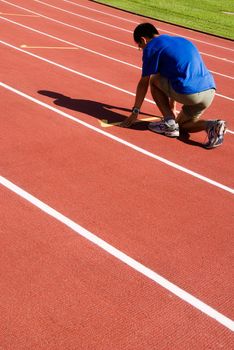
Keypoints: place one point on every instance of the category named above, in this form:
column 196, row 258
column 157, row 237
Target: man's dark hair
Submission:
column 144, row 30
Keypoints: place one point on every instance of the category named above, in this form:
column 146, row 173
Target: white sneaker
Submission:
column 216, row 134
column 169, row 128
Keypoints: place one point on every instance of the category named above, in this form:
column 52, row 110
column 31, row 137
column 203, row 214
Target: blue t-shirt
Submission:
column 178, row 60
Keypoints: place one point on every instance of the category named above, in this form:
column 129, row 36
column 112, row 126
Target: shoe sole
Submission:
column 214, row 146
column 177, row 134
column 168, row 134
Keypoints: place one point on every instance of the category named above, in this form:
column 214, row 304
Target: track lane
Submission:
column 65, row 171
column 137, row 77
column 225, row 88
column 123, row 34
column 59, row 303
column 120, row 22
column 121, row 100
column 221, row 300
column 221, row 79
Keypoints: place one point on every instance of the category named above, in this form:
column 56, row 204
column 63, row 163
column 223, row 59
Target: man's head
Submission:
column 143, row 33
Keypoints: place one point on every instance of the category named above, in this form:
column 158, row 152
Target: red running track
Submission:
column 58, row 290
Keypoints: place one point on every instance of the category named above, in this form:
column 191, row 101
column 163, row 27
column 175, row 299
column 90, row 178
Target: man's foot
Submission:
column 166, row 127
column 215, row 134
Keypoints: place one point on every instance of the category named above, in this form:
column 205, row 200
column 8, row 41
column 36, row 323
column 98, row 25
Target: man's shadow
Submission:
column 104, row 112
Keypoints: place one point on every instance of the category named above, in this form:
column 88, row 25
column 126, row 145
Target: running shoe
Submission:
column 166, row 127
column 216, row 134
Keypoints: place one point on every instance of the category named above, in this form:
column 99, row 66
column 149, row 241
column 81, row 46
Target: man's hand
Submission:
column 142, row 88
column 129, row 121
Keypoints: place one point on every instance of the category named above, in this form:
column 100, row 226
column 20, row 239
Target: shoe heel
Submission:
column 221, row 128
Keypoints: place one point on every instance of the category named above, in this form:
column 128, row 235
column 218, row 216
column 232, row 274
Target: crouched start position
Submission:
column 174, row 70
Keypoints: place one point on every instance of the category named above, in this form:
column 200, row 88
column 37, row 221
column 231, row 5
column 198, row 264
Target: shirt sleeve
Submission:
column 150, row 63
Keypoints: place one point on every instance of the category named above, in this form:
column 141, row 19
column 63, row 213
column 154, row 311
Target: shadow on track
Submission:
column 105, row 112
column 101, row 111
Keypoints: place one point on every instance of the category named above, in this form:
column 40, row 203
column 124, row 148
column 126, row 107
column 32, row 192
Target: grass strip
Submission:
column 209, row 16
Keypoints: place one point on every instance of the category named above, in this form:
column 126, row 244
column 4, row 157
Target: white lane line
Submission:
column 85, row 17
column 222, row 75
column 49, row 47
column 119, row 255
column 102, row 12
column 118, row 139
column 119, row 28
column 227, row 98
column 16, row 15
column 84, row 75
column 137, row 22
column 217, row 57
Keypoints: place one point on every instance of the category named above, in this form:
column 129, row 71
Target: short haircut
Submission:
column 144, row 30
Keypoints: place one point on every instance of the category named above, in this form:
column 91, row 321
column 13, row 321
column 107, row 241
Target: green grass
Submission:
column 205, row 15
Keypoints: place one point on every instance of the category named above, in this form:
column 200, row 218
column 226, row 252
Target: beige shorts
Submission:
column 194, row 104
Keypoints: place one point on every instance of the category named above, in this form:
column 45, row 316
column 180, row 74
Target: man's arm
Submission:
column 141, row 91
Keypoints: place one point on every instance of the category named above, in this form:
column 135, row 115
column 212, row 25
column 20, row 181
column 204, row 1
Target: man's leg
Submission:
column 194, row 106
column 162, row 100
column 160, row 92
column 188, row 119
column 191, row 124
